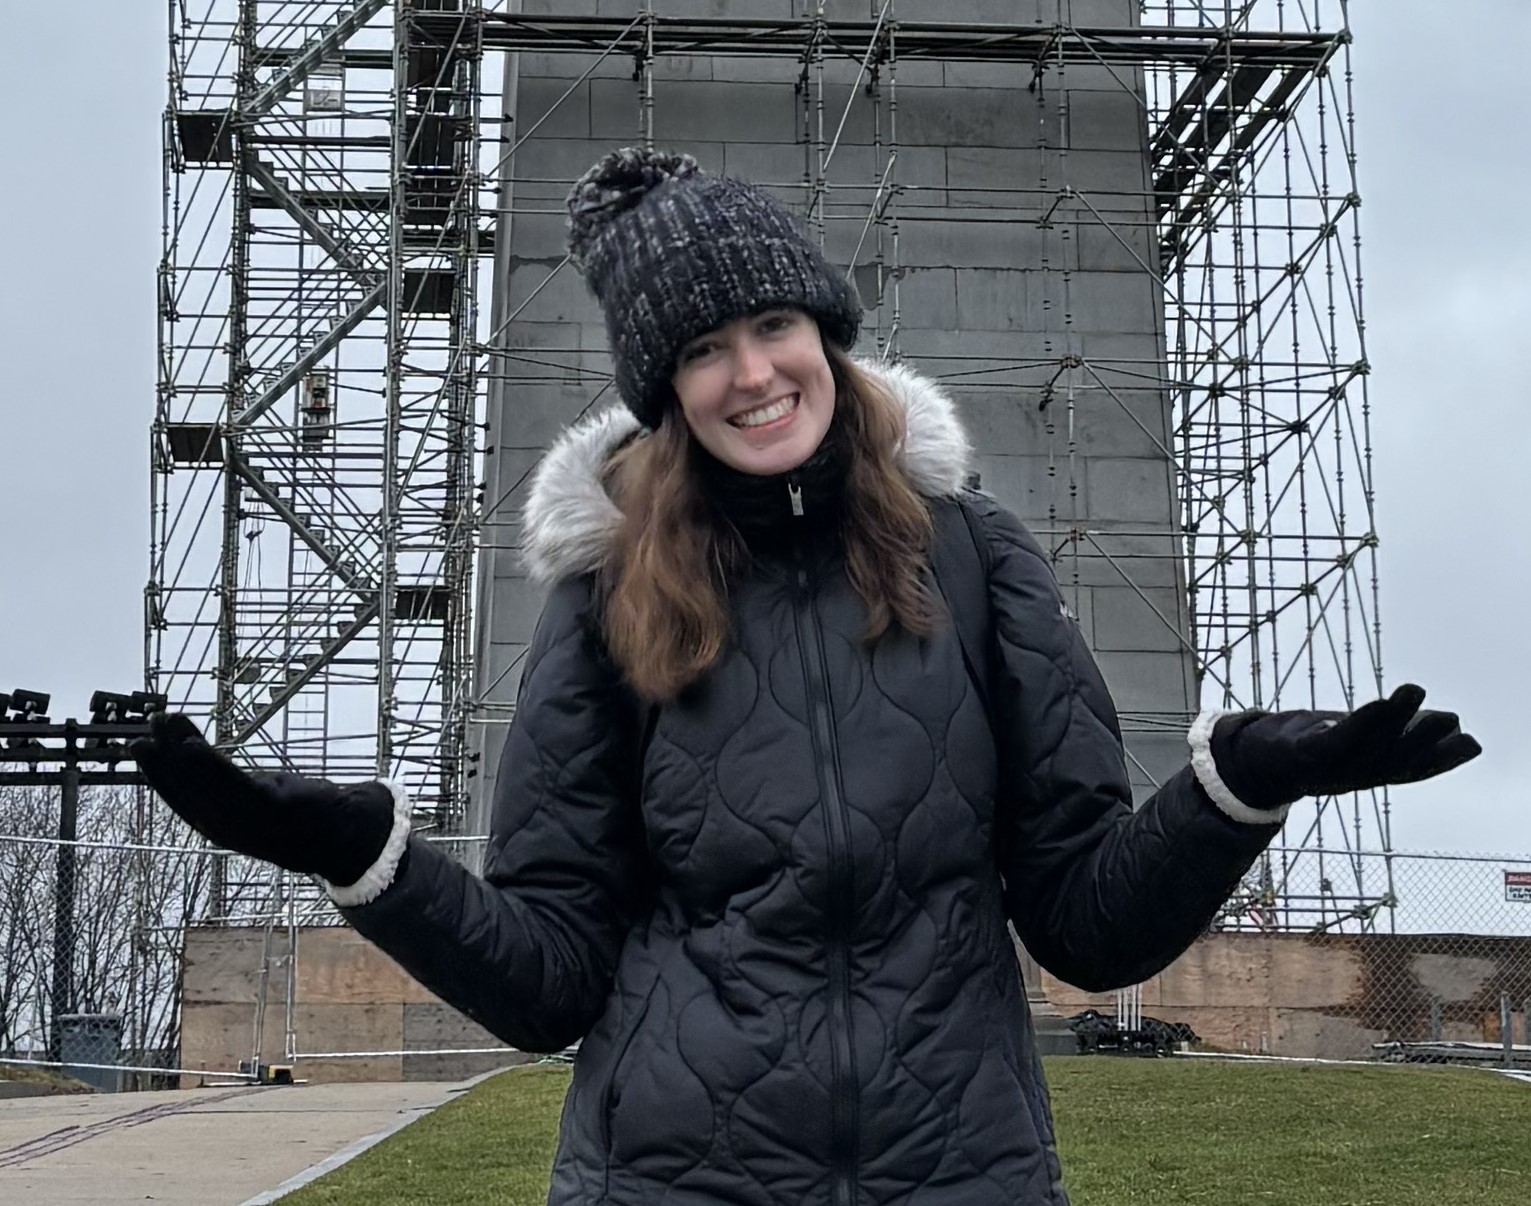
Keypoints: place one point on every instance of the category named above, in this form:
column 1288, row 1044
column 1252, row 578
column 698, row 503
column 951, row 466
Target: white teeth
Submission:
column 766, row 414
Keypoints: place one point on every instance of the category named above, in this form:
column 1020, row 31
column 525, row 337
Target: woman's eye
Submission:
column 776, row 322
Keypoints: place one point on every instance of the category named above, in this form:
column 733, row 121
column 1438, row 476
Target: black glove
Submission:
column 1268, row 759
column 311, row 826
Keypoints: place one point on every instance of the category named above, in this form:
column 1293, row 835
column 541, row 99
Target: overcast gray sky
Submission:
column 1444, row 170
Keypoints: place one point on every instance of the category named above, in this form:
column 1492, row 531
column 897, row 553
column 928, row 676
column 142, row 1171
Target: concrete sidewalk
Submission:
column 194, row 1147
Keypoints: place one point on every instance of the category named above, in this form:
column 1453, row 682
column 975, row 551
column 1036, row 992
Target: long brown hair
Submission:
column 665, row 585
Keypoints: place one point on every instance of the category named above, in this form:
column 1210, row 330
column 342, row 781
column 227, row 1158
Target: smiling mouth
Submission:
column 771, row 412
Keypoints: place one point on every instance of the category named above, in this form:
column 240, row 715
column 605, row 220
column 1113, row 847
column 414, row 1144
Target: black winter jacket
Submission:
column 778, row 920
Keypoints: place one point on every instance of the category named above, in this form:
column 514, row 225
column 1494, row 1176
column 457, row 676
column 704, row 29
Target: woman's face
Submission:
column 758, row 393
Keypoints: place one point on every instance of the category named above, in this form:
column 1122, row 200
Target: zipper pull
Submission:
column 795, row 493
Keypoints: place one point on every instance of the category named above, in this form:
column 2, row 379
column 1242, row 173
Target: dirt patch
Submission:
column 37, row 1082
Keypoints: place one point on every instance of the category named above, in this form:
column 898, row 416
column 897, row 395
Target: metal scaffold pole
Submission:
column 314, row 444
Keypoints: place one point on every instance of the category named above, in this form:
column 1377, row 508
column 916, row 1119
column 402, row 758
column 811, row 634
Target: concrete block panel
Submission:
column 697, row 111
column 542, row 102
column 550, row 353
column 973, row 117
column 1113, row 14
column 993, row 299
column 550, row 291
column 862, row 166
column 928, row 297
column 1001, row 422
column 1027, row 485
column 921, row 170
column 1110, row 301
column 1131, row 488
column 505, row 493
column 545, row 168
column 1120, row 423
column 1105, row 121
column 755, row 69
column 770, row 9
column 1011, row 419
column 1015, row 76
column 774, row 163
column 989, row 12
column 857, row 173
column 1113, row 558
column 517, row 599
column 951, row 353
column 502, row 667
column 920, row 73
column 501, row 554
column 616, row 115
column 842, row 10
column 518, row 606
column 873, row 288
column 986, row 176
column 1134, row 621
column 955, row 243
column 1123, row 359
column 1110, row 179
column 1067, row 78
column 1147, row 682
column 681, row 67
column 535, row 415
column 1123, row 246
column 571, row 65
column 1153, row 758
column 540, row 234
column 848, row 111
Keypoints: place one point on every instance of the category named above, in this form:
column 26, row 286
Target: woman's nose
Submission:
column 753, row 369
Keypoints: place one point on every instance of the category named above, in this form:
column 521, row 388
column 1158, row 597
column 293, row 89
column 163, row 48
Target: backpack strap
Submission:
column 959, row 560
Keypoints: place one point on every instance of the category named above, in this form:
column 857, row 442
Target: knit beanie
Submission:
column 671, row 252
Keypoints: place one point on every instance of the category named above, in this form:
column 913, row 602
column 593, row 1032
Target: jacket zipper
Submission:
column 844, row 1097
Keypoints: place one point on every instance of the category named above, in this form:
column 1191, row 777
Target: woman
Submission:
column 759, row 827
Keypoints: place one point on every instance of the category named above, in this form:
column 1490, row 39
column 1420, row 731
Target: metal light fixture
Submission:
column 30, row 707
column 107, row 707
column 114, row 708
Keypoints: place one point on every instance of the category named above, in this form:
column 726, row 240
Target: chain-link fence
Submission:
column 1315, row 891
column 1432, row 961
column 182, row 958
column 100, row 975
column 1344, row 955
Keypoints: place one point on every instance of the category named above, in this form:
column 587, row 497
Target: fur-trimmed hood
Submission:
column 570, row 521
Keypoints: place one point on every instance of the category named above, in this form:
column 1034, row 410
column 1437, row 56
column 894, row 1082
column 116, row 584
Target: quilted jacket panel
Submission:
column 778, row 920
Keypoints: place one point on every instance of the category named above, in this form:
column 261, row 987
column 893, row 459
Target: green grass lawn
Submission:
column 1132, row 1133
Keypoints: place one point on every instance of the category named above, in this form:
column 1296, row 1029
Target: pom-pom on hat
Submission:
column 671, row 252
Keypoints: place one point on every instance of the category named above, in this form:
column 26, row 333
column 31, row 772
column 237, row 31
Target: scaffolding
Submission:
column 313, row 444
column 336, row 175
